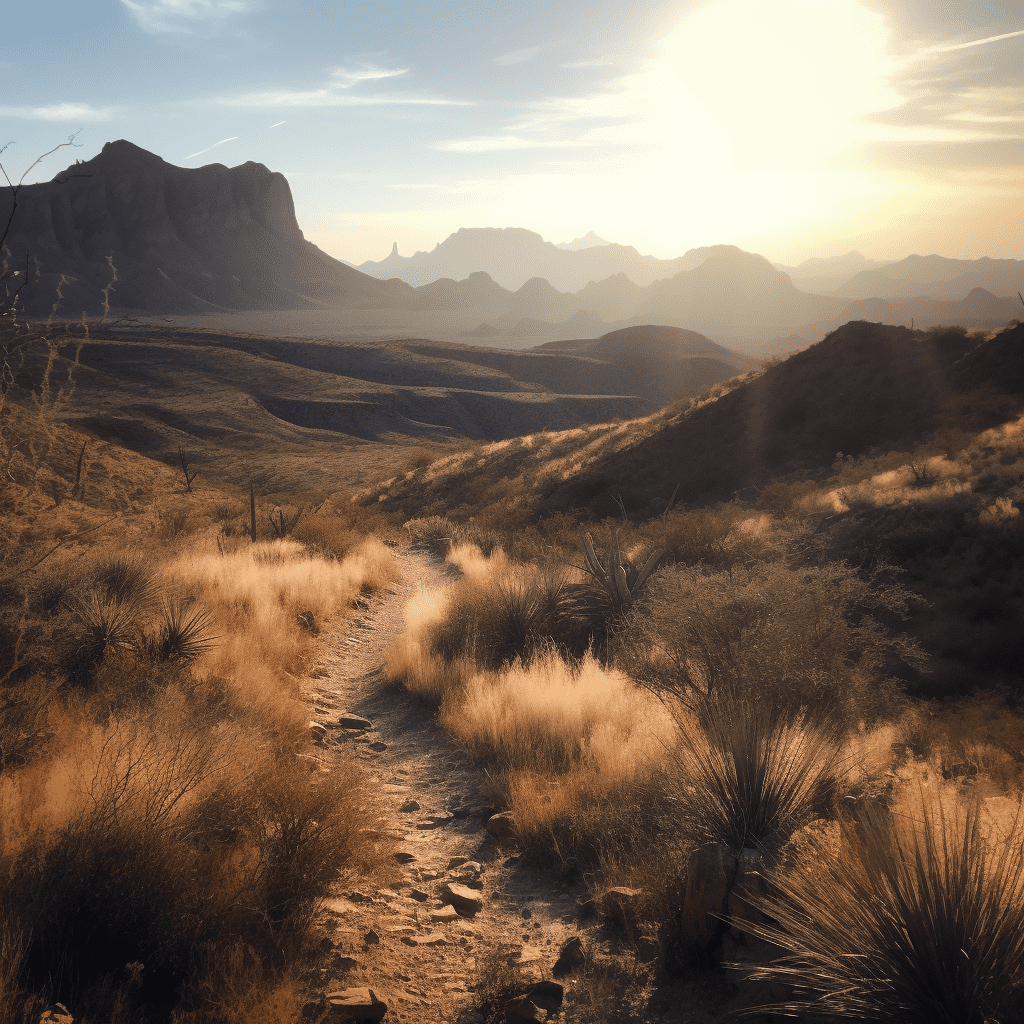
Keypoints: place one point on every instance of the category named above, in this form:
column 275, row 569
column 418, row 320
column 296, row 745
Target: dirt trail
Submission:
column 434, row 801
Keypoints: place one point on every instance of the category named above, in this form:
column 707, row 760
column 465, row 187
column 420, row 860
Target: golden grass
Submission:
column 254, row 595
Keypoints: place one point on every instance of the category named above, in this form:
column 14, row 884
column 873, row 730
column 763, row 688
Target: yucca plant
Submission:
column 184, row 631
column 108, row 624
column 751, row 774
column 524, row 615
column 920, row 921
column 126, row 579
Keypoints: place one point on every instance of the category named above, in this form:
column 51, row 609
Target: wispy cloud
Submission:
column 214, row 146
column 339, row 91
column 59, row 112
column 594, row 62
column 347, row 77
column 184, row 15
column 517, row 56
column 950, row 47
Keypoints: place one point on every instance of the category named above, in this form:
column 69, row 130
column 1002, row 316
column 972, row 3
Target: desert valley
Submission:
column 506, row 632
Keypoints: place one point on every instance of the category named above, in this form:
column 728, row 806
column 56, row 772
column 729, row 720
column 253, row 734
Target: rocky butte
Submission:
column 183, row 240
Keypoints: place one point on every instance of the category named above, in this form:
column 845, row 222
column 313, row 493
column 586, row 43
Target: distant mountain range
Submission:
column 511, row 256
column 214, row 240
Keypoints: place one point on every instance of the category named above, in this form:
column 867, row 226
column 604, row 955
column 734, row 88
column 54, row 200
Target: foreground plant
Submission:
column 752, row 775
column 921, row 921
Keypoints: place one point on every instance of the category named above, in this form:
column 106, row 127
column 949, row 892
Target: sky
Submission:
column 792, row 128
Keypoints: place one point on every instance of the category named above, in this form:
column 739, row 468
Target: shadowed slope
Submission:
column 183, row 239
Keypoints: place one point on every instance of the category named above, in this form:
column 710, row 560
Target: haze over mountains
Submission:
column 223, row 243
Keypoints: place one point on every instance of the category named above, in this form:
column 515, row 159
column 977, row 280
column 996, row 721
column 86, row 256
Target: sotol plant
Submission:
column 921, row 921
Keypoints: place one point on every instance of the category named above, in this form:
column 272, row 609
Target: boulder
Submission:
column 620, row 905
column 522, row 1009
column 572, row 955
column 502, row 826
column 548, row 995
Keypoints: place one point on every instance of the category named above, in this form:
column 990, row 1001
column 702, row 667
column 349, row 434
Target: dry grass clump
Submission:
column 253, row 596
column 164, row 840
column 573, row 752
column 920, row 919
column 164, row 811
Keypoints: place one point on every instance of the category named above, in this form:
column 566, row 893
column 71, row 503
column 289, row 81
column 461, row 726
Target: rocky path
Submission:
column 406, row 941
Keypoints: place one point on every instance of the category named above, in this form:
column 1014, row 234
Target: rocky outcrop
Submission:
column 182, row 240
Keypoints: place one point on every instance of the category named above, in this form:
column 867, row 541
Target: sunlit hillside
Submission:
column 676, row 670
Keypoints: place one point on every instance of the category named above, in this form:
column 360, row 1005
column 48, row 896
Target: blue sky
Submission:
column 788, row 127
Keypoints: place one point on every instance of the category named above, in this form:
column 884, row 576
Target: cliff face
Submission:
column 182, row 240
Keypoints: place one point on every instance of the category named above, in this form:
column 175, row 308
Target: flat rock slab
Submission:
column 350, row 721
column 444, row 915
column 433, row 939
column 356, row 1004
column 462, row 898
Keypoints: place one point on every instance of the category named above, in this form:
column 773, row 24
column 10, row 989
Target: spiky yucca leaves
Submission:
column 512, row 618
column 184, row 631
column 921, row 921
column 752, row 774
column 108, row 624
column 126, row 579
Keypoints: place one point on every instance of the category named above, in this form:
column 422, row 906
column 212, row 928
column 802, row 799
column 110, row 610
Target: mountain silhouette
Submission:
column 182, row 239
column 865, row 386
column 936, row 277
column 588, row 241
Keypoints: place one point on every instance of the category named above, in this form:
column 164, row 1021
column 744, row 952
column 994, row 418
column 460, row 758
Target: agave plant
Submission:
column 921, row 921
column 615, row 581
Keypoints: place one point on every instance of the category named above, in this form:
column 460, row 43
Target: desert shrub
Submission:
column 921, row 919
column 803, row 636
column 326, row 535
column 573, row 750
column 176, row 842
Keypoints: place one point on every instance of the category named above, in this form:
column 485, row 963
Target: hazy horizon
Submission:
column 791, row 128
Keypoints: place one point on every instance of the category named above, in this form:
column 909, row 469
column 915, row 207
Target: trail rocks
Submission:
column 409, row 806
column 356, row 722
column 502, row 826
column 360, row 1004
column 573, row 955
column 462, row 898
column 620, row 905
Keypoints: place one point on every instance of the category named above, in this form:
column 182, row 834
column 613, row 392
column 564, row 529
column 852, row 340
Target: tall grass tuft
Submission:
column 752, row 775
column 921, row 921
